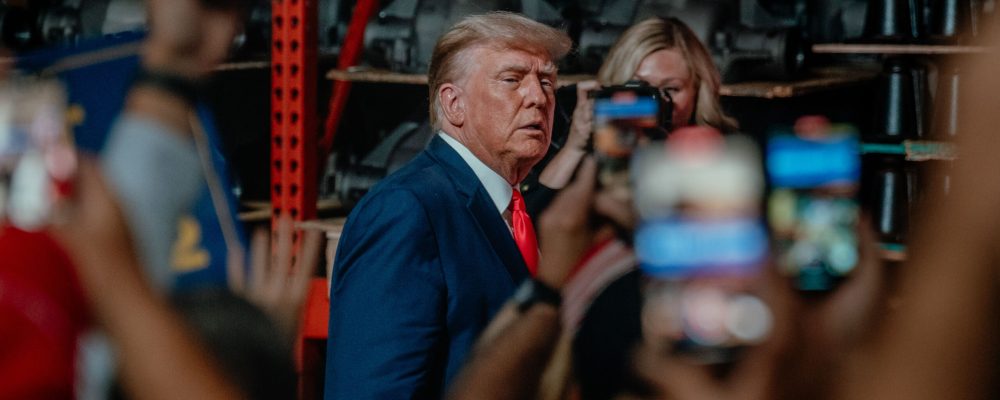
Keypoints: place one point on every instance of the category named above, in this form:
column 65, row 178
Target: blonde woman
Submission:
column 663, row 52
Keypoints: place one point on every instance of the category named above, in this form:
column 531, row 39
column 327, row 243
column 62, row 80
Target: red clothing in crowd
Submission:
column 42, row 314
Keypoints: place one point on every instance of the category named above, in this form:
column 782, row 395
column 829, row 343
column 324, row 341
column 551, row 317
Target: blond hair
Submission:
column 655, row 34
column 497, row 29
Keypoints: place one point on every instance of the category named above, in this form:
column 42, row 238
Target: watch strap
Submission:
column 534, row 291
column 185, row 88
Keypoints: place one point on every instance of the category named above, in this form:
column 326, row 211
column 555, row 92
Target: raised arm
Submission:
column 160, row 358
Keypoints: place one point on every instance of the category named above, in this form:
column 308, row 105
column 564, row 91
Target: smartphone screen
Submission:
column 700, row 244
column 698, row 202
column 621, row 115
column 683, row 247
column 808, row 162
column 812, row 208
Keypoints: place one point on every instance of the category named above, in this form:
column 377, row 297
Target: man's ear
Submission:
column 452, row 103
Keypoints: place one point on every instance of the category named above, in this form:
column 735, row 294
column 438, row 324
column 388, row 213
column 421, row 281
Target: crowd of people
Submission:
column 494, row 265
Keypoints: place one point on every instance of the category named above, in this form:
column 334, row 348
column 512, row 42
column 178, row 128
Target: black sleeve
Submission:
column 537, row 196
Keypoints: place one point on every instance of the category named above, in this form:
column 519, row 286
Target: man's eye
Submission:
column 548, row 83
column 509, row 79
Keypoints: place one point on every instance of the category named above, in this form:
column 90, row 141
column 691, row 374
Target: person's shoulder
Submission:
column 421, row 183
column 423, row 177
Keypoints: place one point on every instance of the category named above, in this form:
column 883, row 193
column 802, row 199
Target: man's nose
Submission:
column 534, row 92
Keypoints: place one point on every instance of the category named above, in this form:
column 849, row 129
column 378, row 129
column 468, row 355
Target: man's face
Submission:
column 510, row 98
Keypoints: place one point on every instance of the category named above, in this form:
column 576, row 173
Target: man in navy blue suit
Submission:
column 434, row 250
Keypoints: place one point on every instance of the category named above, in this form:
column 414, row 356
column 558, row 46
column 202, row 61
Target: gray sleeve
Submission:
column 156, row 175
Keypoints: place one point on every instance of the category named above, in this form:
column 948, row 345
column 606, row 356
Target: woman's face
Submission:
column 668, row 70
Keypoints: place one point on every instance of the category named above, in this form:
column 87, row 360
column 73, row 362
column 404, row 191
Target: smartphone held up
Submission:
column 812, row 209
column 701, row 244
column 37, row 156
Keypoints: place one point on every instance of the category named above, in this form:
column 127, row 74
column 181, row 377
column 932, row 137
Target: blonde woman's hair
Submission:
column 655, row 34
column 498, row 30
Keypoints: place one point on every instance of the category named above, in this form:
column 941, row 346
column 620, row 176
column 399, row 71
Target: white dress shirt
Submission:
column 496, row 186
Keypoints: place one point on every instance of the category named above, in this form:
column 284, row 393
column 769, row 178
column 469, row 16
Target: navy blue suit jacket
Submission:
column 424, row 263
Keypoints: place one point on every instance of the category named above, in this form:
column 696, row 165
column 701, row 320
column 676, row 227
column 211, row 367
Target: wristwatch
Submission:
column 533, row 291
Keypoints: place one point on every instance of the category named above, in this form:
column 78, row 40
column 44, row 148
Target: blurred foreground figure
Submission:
column 159, row 157
column 942, row 341
column 108, row 266
column 158, row 355
column 618, row 349
column 163, row 163
column 614, row 353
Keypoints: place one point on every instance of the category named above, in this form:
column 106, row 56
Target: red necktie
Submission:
column 524, row 232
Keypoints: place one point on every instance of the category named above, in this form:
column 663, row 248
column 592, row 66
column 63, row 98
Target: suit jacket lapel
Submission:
column 481, row 207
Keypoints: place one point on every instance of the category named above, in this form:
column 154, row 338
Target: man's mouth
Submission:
column 538, row 126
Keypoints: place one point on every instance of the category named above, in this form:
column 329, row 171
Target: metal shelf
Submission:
column 820, row 81
column 376, row 76
column 922, row 49
column 823, row 80
column 914, row 150
column 244, row 65
column 261, row 211
column 325, row 225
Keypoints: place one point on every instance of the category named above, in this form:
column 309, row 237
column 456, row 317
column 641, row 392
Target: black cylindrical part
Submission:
column 950, row 19
column 899, row 108
column 888, row 192
column 889, row 21
column 946, row 105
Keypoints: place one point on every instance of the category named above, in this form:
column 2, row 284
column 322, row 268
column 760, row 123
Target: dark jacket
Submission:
column 424, row 263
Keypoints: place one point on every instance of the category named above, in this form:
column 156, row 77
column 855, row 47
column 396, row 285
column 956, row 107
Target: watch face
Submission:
column 523, row 292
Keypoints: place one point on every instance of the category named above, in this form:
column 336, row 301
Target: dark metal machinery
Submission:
column 401, row 37
column 749, row 39
column 32, row 25
column 40, row 24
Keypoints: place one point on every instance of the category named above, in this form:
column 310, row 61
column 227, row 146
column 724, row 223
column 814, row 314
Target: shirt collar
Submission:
column 496, row 186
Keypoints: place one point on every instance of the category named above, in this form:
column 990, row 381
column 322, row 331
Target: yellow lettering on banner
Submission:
column 187, row 254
